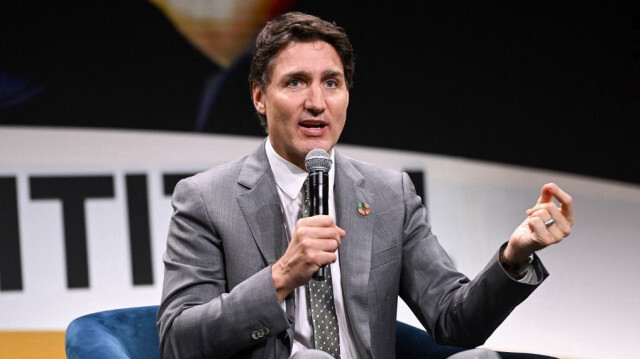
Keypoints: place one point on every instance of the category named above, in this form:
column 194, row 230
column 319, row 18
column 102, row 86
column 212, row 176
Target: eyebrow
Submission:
column 333, row 74
column 305, row 74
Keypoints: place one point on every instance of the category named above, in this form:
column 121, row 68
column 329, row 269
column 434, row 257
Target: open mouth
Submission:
column 313, row 124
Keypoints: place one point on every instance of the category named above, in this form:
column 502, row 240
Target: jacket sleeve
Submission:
column 453, row 308
column 199, row 316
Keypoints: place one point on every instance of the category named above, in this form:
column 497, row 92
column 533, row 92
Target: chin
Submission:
column 323, row 144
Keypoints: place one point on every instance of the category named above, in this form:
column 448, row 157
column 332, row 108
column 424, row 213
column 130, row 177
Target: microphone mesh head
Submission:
column 317, row 159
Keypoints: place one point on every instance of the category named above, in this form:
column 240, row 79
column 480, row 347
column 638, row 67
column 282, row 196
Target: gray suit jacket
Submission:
column 219, row 300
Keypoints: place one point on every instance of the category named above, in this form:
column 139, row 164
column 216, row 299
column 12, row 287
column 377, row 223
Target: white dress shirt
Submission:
column 289, row 180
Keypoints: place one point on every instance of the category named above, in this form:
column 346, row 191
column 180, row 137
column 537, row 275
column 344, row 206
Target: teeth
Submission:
column 314, row 125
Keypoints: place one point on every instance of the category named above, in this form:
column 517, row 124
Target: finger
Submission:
column 540, row 232
column 547, row 206
column 320, row 251
column 559, row 216
column 557, row 233
column 547, row 192
column 546, row 211
column 318, row 233
column 566, row 203
column 561, row 227
column 320, row 258
column 317, row 251
column 325, row 244
column 556, row 228
column 321, row 220
column 554, row 222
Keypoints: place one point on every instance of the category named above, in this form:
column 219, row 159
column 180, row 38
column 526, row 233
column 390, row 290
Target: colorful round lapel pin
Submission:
column 363, row 208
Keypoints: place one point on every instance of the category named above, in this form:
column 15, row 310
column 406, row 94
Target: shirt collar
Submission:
column 288, row 176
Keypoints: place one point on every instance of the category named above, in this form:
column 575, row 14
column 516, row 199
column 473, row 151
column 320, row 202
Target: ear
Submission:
column 258, row 99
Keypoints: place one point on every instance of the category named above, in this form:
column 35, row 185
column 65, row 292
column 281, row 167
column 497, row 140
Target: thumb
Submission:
column 546, row 193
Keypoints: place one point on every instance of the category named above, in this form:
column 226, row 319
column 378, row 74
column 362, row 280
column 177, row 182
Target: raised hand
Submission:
column 547, row 223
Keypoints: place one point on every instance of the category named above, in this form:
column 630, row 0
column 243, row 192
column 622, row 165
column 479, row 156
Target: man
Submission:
column 239, row 262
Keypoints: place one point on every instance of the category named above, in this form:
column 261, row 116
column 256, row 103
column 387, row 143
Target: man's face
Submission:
column 306, row 101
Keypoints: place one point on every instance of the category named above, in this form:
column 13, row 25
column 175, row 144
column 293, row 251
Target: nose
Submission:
column 315, row 101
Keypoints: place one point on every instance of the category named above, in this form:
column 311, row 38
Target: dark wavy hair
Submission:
column 296, row 27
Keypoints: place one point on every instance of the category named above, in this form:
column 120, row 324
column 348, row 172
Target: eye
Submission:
column 294, row 83
column 331, row 83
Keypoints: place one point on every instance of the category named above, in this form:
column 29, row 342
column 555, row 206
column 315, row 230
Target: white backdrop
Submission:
column 588, row 308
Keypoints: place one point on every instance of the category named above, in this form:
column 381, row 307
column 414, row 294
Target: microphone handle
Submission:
column 319, row 204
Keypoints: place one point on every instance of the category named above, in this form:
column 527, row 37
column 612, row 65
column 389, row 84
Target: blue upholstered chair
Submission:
column 114, row 334
column 132, row 333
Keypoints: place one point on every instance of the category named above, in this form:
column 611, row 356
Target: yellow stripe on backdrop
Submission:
column 32, row 345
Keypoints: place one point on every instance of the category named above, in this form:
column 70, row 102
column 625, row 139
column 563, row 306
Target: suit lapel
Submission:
column 260, row 206
column 355, row 250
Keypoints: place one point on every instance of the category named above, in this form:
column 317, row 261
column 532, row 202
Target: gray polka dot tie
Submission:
column 320, row 302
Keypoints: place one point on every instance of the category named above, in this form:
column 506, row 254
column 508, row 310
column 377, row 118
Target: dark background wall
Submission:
column 548, row 84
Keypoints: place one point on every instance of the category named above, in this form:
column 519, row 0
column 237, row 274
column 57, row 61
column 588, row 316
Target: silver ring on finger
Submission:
column 549, row 222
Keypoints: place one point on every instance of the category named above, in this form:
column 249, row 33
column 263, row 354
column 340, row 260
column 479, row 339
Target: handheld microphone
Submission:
column 318, row 164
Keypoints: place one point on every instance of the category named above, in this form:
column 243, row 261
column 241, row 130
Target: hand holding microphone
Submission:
column 292, row 269
column 318, row 164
